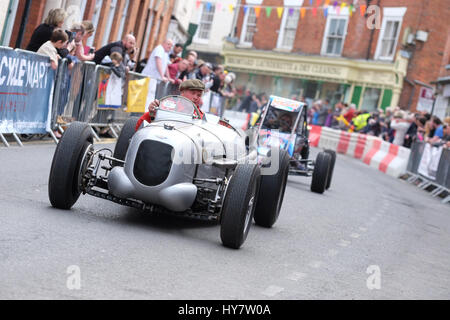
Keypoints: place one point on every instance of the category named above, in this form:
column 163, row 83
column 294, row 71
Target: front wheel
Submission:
column 321, row 172
column 127, row 132
column 239, row 205
column 69, row 161
column 271, row 193
column 333, row 161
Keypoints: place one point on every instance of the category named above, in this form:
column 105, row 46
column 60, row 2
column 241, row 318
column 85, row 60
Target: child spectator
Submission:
column 57, row 41
column 116, row 64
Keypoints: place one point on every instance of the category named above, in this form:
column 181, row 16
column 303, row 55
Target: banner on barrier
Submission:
column 26, row 84
column 137, row 95
column 109, row 91
column 429, row 163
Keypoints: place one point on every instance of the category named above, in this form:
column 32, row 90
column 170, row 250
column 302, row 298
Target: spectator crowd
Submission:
column 167, row 64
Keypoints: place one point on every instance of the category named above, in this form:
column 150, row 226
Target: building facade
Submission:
column 441, row 107
column 214, row 21
column 374, row 54
column 148, row 20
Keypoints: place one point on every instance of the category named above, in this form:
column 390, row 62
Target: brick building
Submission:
column 302, row 49
column 148, row 20
column 442, row 105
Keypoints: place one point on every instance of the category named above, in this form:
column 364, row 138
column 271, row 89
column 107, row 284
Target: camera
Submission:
column 91, row 50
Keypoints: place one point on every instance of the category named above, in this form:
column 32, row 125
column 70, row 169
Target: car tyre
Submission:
column 321, row 172
column 333, row 161
column 127, row 132
column 271, row 193
column 239, row 205
column 64, row 180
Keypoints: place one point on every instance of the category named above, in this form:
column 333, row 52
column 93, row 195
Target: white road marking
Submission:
column 271, row 291
column 362, row 229
column 355, row 235
column 296, row 276
column 316, row 264
column 332, row 252
column 344, row 243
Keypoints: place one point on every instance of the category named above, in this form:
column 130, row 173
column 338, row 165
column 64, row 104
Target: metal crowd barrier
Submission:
column 441, row 183
column 26, row 94
column 166, row 89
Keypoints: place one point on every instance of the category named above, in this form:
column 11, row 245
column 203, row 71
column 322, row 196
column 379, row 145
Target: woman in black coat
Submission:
column 43, row 32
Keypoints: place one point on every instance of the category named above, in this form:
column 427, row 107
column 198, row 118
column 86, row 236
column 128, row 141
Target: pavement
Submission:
column 369, row 237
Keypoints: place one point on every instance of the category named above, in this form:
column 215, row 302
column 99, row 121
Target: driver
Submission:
column 190, row 89
column 286, row 123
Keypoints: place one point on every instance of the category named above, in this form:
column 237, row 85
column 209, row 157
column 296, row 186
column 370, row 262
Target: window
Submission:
column 389, row 33
column 335, row 36
column 335, row 31
column 389, row 39
column 371, row 99
column 288, row 28
column 249, row 28
column 205, row 23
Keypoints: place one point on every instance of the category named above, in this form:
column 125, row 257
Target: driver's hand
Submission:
column 152, row 108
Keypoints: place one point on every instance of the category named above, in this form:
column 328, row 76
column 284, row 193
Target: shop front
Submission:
column 369, row 85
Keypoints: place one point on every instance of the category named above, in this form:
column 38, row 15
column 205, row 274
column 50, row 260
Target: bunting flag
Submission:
column 280, row 12
column 363, row 8
column 257, row 11
column 338, row 6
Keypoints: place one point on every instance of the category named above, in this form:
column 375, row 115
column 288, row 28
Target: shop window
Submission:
column 288, row 29
column 370, row 99
column 205, row 23
column 335, row 32
column 389, row 33
column 249, row 27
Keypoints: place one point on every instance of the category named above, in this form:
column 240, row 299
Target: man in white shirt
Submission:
column 156, row 67
column 401, row 126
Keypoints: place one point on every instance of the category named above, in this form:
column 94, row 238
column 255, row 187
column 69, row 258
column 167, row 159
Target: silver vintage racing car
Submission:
column 183, row 163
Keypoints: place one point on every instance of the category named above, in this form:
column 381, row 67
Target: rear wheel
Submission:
column 127, row 132
column 271, row 193
column 321, row 172
column 239, row 205
column 333, row 161
column 71, row 157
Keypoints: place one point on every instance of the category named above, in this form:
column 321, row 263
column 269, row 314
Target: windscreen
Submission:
column 177, row 104
column 280, row 120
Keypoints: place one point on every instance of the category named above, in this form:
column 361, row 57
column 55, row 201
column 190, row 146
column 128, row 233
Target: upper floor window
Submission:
column 249, row 27
column 205, row 23
column 335, row 32
column 389, row 33
column 288, row 28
